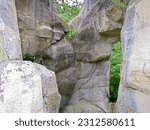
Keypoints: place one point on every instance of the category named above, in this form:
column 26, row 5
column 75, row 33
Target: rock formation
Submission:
column 50, row 95
column 82, row 64
column 10, row 45
column 98, row 29
column 39, row 27
column 31, row 28
column 25, row 86
column 134, row 89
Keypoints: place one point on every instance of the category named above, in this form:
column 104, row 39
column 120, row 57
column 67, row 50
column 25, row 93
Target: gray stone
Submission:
column 27, row 87
column 86, row 7
column 134, row 91
column 59, row 56
column 98, row 29
column 102, row 15
column 66, row 81
column 51, row 96
column 91, row 88
column 39, row 26
column 10, row 45
column 89, row 46
column 99, row 24
column 21, row 88
column 132, row 101
column 81, row 64
column 59, row 49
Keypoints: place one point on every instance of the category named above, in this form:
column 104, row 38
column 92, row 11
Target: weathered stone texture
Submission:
column 51, row 96
column 39, row 26
column 134, row 91
column 98, row 29
column 10, row 45
column 27, row 87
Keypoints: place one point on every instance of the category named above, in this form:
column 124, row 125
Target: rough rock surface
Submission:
column 51, row 96
column 27, row 87
column 98, row 29
column 39, row 26
column 134, row 90
column 82, row 64
column 90, row 92
column 86, row 6
column 60, row 58
column 10, row 45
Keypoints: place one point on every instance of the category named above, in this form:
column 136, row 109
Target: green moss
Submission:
column 120, row 4
column 71, row 34
column 29, row 58
column 46, row 104
column 115, row 65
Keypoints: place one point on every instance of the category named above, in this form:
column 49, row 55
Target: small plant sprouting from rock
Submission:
column 71, row 34
column 29, row 58
column 46, row 104
column 120, row 4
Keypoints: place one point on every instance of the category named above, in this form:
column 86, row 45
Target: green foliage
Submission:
column 115, row 64
column 120, row 4
column 71, row 34
column 67, row 12
column 29, row 58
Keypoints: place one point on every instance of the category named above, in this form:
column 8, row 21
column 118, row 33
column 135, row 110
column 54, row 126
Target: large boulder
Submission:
column 51, row 96
column 10, row 45
column 134, row 91
column 27, row 87
column 39, row 26
column 61, row 56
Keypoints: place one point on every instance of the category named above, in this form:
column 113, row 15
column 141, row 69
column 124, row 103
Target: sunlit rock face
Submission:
column 10, row 45
column 134, row 89
column 27, row 88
